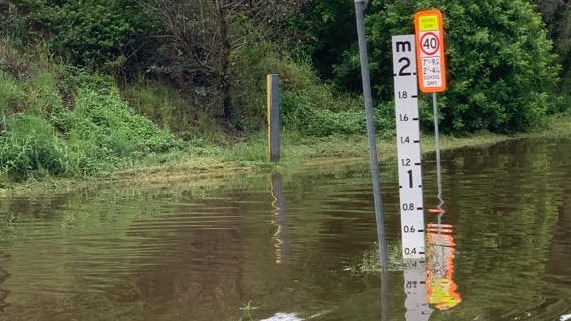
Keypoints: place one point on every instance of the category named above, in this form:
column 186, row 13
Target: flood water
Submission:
column 282, row 246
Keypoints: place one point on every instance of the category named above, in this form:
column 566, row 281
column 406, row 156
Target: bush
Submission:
column 299, row 114
column 166, row 107
column 102, row 35
column 100, row 132
column 106, row 127
column 29, row 149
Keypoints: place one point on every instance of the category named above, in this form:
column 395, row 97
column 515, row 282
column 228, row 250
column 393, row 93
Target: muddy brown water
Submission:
column 279, row 247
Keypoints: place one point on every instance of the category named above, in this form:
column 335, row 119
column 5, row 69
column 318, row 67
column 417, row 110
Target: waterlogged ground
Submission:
column 282, row 247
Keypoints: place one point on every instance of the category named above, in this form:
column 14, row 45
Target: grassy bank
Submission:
column 302, row 152
column 210, row 164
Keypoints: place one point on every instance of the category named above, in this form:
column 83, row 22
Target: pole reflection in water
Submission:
column 279, row 220
column 384, row 295
column 3, row 293
column 442, row 290
column 416, row 305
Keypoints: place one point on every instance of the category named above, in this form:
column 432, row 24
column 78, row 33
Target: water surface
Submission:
column 280, row 247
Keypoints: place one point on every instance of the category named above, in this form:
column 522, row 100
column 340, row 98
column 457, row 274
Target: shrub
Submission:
column 29, row 148
column 106, row 127
column 299, row 114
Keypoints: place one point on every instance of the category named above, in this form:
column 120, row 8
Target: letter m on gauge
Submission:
column 404, row 56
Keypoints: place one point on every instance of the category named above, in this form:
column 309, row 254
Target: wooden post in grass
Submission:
column 273, row 96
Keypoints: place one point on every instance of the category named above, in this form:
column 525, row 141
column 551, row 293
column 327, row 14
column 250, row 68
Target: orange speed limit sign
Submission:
column 430, row 51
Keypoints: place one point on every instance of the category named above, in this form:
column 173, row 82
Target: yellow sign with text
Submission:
column 428, row 23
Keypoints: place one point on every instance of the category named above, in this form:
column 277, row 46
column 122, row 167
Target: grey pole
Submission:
column 360, row 6
column 273, row 84
column 437, row 146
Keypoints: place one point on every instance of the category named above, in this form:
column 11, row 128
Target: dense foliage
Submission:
column 103, row 35
column 502, row 72
column 557, row 17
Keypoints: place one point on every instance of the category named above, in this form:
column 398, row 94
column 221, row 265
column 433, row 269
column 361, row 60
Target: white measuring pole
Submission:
column 410, row 177
column 408, row 147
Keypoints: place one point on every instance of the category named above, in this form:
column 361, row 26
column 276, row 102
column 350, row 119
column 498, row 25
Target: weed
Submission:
column 248, row 307
column 369, row 262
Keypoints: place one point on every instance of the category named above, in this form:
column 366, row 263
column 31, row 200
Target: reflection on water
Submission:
column 232, row 252
column 430, row 279
column 415, row 303
column 279, row 211
column 442, row 290
column 3, row 293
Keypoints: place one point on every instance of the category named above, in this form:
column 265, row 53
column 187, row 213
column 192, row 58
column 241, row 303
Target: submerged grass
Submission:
column 369, row 261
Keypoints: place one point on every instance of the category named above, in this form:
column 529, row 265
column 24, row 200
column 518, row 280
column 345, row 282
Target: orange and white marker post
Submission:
column 431, row 64
column 430, row 56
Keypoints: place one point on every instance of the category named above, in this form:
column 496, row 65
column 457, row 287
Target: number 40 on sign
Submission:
column 430, row 51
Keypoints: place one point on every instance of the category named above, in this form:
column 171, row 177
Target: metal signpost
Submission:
column 360, row 6
column 429, row 31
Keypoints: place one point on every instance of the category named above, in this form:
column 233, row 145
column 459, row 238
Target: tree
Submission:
column 557, row 17
column 324, row 30
column 200, row 37
column 101, row 35
column 502, row 73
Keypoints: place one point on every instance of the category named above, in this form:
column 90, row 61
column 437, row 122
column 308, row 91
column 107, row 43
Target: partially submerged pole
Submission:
column 360, row 6
column 273, row 96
